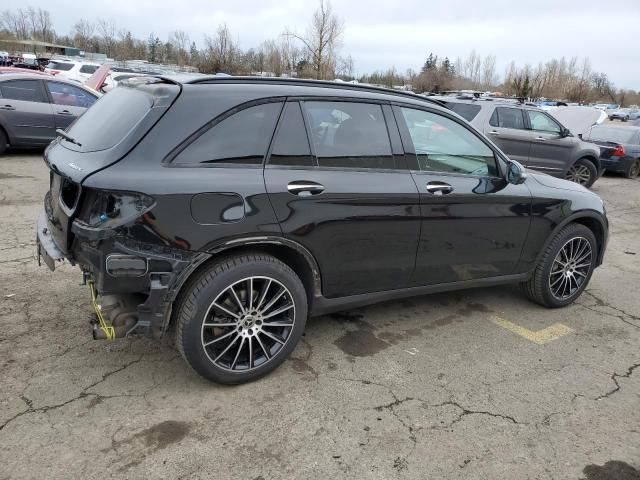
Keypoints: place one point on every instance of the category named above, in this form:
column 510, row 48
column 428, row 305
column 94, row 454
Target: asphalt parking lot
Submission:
column 477, row 384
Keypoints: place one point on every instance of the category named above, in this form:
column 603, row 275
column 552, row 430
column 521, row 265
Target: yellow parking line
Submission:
column 540, row 337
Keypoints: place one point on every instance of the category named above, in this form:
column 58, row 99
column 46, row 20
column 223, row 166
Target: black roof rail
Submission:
column 311, row 83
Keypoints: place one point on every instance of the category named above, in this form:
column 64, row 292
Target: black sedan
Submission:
column 33, row 107
column 619, row 148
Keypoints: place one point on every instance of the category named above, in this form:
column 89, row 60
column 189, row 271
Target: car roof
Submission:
column 302, row 87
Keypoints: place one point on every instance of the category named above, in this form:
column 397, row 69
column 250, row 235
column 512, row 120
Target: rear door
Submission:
column 507, row 129
column 474, row 223
column 346, row 195
column 26, row 112
column 68, row 102
column 550, row 151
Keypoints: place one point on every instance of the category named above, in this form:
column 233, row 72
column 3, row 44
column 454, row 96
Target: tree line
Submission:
column 316, row 52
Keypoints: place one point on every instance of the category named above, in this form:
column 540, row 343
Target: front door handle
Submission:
column 64, row 112
column 541, row 139
column 439, row 188
column 493, row 132
column 304, row 188
column 7, row 107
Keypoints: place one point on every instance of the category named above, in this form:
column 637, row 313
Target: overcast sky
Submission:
column 400, row 33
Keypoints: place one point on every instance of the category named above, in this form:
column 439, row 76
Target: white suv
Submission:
column 71, row 69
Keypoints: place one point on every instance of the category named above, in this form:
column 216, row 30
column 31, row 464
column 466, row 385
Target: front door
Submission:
column 550, row 151
column 26, row 112
column 474, row 223
column 68, row 102
column 346, row 195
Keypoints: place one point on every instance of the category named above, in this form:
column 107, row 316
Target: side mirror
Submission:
column 565, row 132
column 516, row 173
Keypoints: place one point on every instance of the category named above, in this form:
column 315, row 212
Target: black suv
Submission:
column 234, row 208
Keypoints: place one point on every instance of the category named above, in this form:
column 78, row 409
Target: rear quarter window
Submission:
column 465, row 110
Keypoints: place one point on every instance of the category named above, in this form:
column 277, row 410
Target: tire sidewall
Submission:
column 558, row 243
column 592, row 170
column 206, row 294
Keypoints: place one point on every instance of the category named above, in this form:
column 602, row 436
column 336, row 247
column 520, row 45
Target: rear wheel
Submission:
column 565, row 268
column 583, row 172
column 634, row 169
column 241, row 318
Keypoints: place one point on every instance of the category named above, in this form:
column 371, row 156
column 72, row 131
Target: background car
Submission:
column 33, row 107
column 27, row 71
column 624, row 114
column 620, row 148
column 71, row 69
column 532, row 137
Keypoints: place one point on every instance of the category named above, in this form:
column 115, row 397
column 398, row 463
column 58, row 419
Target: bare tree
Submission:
column 16, row 23
column 321, row 40
column 107, row 32
column 221, row 51
column 83, row 32
column 488, row 72
column 180, row 41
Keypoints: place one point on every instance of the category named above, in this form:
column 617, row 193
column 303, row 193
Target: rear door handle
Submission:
column 439, row 188
column 541, row 139
column 493, row 132
column 7, row 107
column 304, row 188
column 64, row 112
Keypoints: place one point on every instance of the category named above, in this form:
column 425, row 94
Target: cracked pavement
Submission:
column 421, row 388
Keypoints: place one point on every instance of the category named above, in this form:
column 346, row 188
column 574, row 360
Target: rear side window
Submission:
column 291, row 145
column 88, row 68
column 242, row 138
column 25, row 90
column 62, row 66
column 465, row 110
column 63, row 94
column 349, row 135
column 505, row 117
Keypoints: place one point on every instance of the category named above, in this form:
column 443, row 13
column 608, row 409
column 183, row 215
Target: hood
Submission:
column 578, row 119
column 558, row 183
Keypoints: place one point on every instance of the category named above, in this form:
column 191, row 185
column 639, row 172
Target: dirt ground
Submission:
column 478, row 384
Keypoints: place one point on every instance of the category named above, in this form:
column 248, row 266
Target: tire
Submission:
column 634, row 169
column 625, row 119
column 3, row 141
column 244, row 347
column 549, row 275
column 583, row 172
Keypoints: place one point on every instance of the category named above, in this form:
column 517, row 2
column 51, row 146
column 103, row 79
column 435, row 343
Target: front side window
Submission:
column 443, row 145
column 542, row 122
column 63, row 94
column 349, row 135
column 25, row 90
column 242, row 138
column 505, row 117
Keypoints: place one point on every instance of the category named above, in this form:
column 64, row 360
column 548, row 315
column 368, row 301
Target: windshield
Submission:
column 612, row 134
column 60, row 66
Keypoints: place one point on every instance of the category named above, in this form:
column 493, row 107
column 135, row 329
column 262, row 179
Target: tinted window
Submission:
column 349, row 135
column 465, row 110
column 60, row 66
column 241, row 138
column 542, row 122
column 505, row 117
column 443, row 145
column 111, row 118
column 88, row 68
column 291, row 146
column 63, row 94
column 26, row 90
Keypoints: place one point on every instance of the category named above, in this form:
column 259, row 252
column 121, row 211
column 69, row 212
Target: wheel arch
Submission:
column 296, row 256
column 590, row 219
column 591, row 158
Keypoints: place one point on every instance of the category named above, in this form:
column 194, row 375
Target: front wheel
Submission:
column 241, row 318
column 634, row 169
column 565, row 268
column 583, row 172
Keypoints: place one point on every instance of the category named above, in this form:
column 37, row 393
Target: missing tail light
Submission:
column 110, row 209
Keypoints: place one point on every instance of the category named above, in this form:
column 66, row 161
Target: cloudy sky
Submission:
column 399, row 33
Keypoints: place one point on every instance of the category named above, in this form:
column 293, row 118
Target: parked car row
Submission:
column 624, row 114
